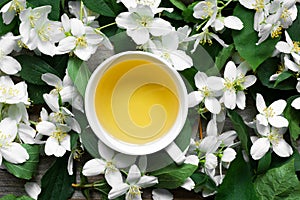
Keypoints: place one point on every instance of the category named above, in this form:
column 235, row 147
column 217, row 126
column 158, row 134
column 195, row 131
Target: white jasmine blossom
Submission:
column 208, row 89
column 80, row 39
column 108, row 164
column 271, row 137
column 206, row 10
column 140, row 22
column 59, row 141
column 11, row 93
column 289, row 47
column 161, row 194
column 271, row 114
column 235, row 82
column 296, row 102
column 231, row 22
column 9, row 150
column 153, row 4
column 65, row 88
column 132, row 186
column 88, row 16
column 189, row 184
column 8, row 64
column 11, row 9
column 167, row 48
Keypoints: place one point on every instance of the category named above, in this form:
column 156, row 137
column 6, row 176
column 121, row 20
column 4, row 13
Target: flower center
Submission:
column 134, row 190
column 205, row 91
column 17, row 6
column 59, row 135
column 145, row 2
column 33, row 17
column 296, row 47
column 285, row 14
column 269, row 112
column 43, row 33
column 1, row 54
column 259, row 5
column 9, row 91
column 274, row 138
column 229, row 84
column 277, row 32
column 3, row 139
column 81, row 41
column 59, row 117
column 144, row 21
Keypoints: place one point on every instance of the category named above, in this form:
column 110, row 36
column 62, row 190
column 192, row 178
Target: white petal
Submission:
column 260, row 103
column 70, row 164
column 8, row 127
column 51, row 146
column 282, row 148
column 249, row 80
column 230, row 99
column 209, row 144
column 118, row 190
column 215, row 83
column 241, row 100
column 278, row 121
column 212, row 104
column 126, row 20
column 123, row 160
column 188, row 184
column 211, row 161
column 52, row 79
column 77, row 27
column 200, row 80
column 230, row 71
column 233, row 23
column 105, row 152
column 9, row 65
column 32, row 189
column 14, row 153
column 94, row 167
column 259, row 148
column 134, row 174
column 296, row 103
column 180, row 60
column 262, row 119
column 278, row 106
column 147, row 181
column 113, row 177
column 192, row 160
column 227, row 137
column 1, row 158
column 160, row 27
column 84, row 53
column 283, row 47
column 229, row 155
column 45, row 128
column 170, row 41
column 139, row 36
column 66, row 45
column 248, row 3
column 263, row 130
column 211, row 128
column 26, row 133
column 291, row 65
column 52, row 102
column 161, row 194
column 194, row 98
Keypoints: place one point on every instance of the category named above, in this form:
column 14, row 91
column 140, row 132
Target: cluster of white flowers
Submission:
column 271, row 16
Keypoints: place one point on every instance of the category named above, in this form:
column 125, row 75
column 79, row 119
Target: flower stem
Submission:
column 81, row 11
column 91, row 185
column 105, row 26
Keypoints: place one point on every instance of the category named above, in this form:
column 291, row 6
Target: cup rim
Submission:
column 121, row 146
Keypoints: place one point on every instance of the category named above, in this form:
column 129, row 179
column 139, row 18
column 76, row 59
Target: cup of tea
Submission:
column 136, row 103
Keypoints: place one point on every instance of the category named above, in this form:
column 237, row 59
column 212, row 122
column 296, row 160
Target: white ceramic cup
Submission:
column 167, row 140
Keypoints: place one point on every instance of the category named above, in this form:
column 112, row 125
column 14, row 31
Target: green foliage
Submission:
column 106, row 8
column 35, row 92
column 292, row 115
column 282, row 77
column 241, row 129
column 25, row 170
column 58, row 62
column 6, row 28
column 223, row 56
column 57, row 183
column 79, row 74
column 13, row 197
column 246, row 39
column 237, row 183
column 33, row 68
column 55, row 7
column 294, row 29
column 173, row 176
column 203, row 182
column 264, row 163
column 270, row 67
column 178, row 4
column 187, row 13
column 278, row 183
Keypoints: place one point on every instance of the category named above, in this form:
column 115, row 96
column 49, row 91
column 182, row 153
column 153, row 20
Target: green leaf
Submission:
column 36, row 92
column 292, row 115
column 106, row 8
column 283, row 76
column 55, row 7
column 203, row 181
column 293, row 30
column 278, row 183
column 189, row 75
column 25, row 170
column 179, row 4
column 58, row 62
column 33, row 68
column 264, row 163
column 245, row 40
column 237, row 183
column 241, row 129
column 74, row 138
column 6, row 28
column 173, row 176
column 13, row 197
column 79, row 74
column 3, row 2
column 188, row 13
column 57, row 183
column 296, row 157
column 270, row 67
column 223, row 56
